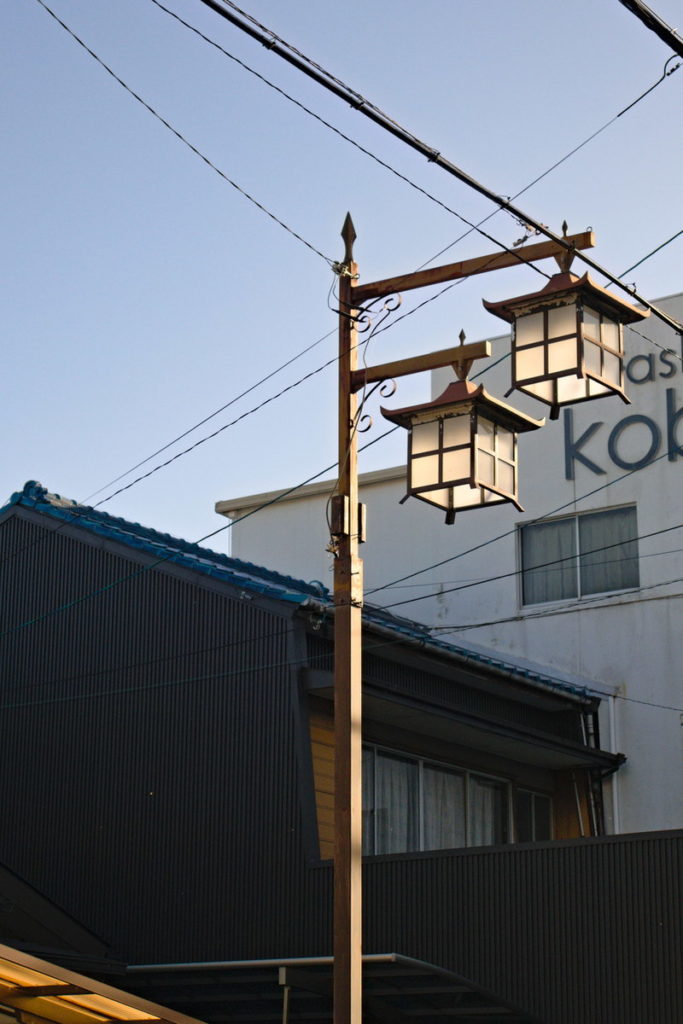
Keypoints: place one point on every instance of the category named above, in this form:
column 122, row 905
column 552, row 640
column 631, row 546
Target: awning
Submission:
column 396, row 990
column 33, row 991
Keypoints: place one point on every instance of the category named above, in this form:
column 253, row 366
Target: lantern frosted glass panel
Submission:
column 506, row 444
column 456, row 464
column 611, row 369
column 456, row 430
column 529, row 362
column 611, row 335
column 591, row 324
column 424, row 470
column 425, row 437
column 562, row 321
column 562, row 356
column 529, row 329
column 496, row 459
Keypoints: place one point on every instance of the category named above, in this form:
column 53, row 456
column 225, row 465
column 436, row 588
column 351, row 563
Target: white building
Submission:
column 606, row 481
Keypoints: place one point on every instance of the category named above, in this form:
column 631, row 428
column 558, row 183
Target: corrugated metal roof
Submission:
column 256, row 579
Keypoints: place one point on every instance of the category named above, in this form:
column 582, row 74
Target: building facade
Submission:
column 585, row 583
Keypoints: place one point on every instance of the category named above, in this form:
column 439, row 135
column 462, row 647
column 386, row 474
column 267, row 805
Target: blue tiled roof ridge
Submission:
column 35, row 495
column 421, row 632
column 255, row 577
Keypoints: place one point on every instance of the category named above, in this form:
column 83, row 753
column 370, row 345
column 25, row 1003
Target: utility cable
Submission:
column 346, row 138
column 642, row 555
column 656, row 24
column 588, row 603
column 186, row 451
column 658, row 249
column 665, row 74
column 513, row 531
column 542, row 565
column 150, row 662
column 288, row 663
column 212, row 415
column 231, row 12
column 190, row 430
column 182, row 138
column 172, row 554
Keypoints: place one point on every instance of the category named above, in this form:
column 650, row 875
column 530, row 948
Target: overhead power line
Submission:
column 509, row 533
column 656, row 24
column 186, row 142
column 658, row 249
column 108, row 587
column 586, row 603
column 665, row 74
column 554, row 563
column 287, row 663
column 231, row 12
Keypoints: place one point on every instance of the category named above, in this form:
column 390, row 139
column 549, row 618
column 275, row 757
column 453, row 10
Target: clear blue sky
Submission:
column 141, row 292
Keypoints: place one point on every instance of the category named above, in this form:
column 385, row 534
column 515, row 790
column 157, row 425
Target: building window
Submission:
column 533, row 816
column 590, row 553
column 410, row 803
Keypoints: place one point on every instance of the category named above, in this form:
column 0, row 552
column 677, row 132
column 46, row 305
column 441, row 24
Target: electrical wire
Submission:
column 346, row 138
column 288, row 663
column 182, row 138
column 408, row 313
column 513, row 531
column 286, row 51
column 658, row 249
column 665, row 74
column 588, row 603
column 150, row 662
column 201, row 441
column 200, row 423
column 483, row 579
column 173, row 553
column 186, row 451
column 542, row 565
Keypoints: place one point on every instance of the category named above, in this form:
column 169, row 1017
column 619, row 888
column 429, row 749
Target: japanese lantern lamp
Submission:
column 567, row 340
column 462, row 447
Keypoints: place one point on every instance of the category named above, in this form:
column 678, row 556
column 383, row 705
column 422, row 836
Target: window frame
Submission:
column 575, row 560
column 454, row 769
column 535, row 795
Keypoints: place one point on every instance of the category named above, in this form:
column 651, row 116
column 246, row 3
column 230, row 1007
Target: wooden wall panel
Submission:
column 322, row 750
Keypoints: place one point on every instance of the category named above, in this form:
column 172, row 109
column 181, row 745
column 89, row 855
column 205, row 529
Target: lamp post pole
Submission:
column 346, row 530
column 348, row 600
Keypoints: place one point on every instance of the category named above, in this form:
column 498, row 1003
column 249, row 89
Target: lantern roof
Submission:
column 464, row 393
column 561, row 285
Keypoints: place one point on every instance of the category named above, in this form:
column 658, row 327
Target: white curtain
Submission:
column 396, row 804
column 487, row 812
column 444, row 809
column 549, row 568
column 608, row 552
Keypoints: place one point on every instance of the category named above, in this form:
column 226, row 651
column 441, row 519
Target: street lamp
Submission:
column 567, row 341
column 492, row 451
column 462, row 447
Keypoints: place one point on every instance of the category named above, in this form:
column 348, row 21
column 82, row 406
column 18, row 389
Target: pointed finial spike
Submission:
column 348, row 233
column 462, row 337
column 564, row 228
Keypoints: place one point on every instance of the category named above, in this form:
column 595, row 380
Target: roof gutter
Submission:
column 508, row 673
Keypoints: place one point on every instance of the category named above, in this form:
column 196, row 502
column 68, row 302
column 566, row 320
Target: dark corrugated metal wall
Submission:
column 576, row 932
column 167, row 814
column 147, row 768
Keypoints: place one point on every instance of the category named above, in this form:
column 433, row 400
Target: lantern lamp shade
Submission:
column 462, row 449
column 567, row 342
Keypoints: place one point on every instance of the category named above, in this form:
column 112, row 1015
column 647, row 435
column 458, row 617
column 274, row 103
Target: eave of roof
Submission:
column 163, row 546
column 267, row 583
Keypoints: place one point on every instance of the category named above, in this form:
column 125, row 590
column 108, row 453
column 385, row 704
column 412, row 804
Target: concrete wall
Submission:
column 624, row 646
